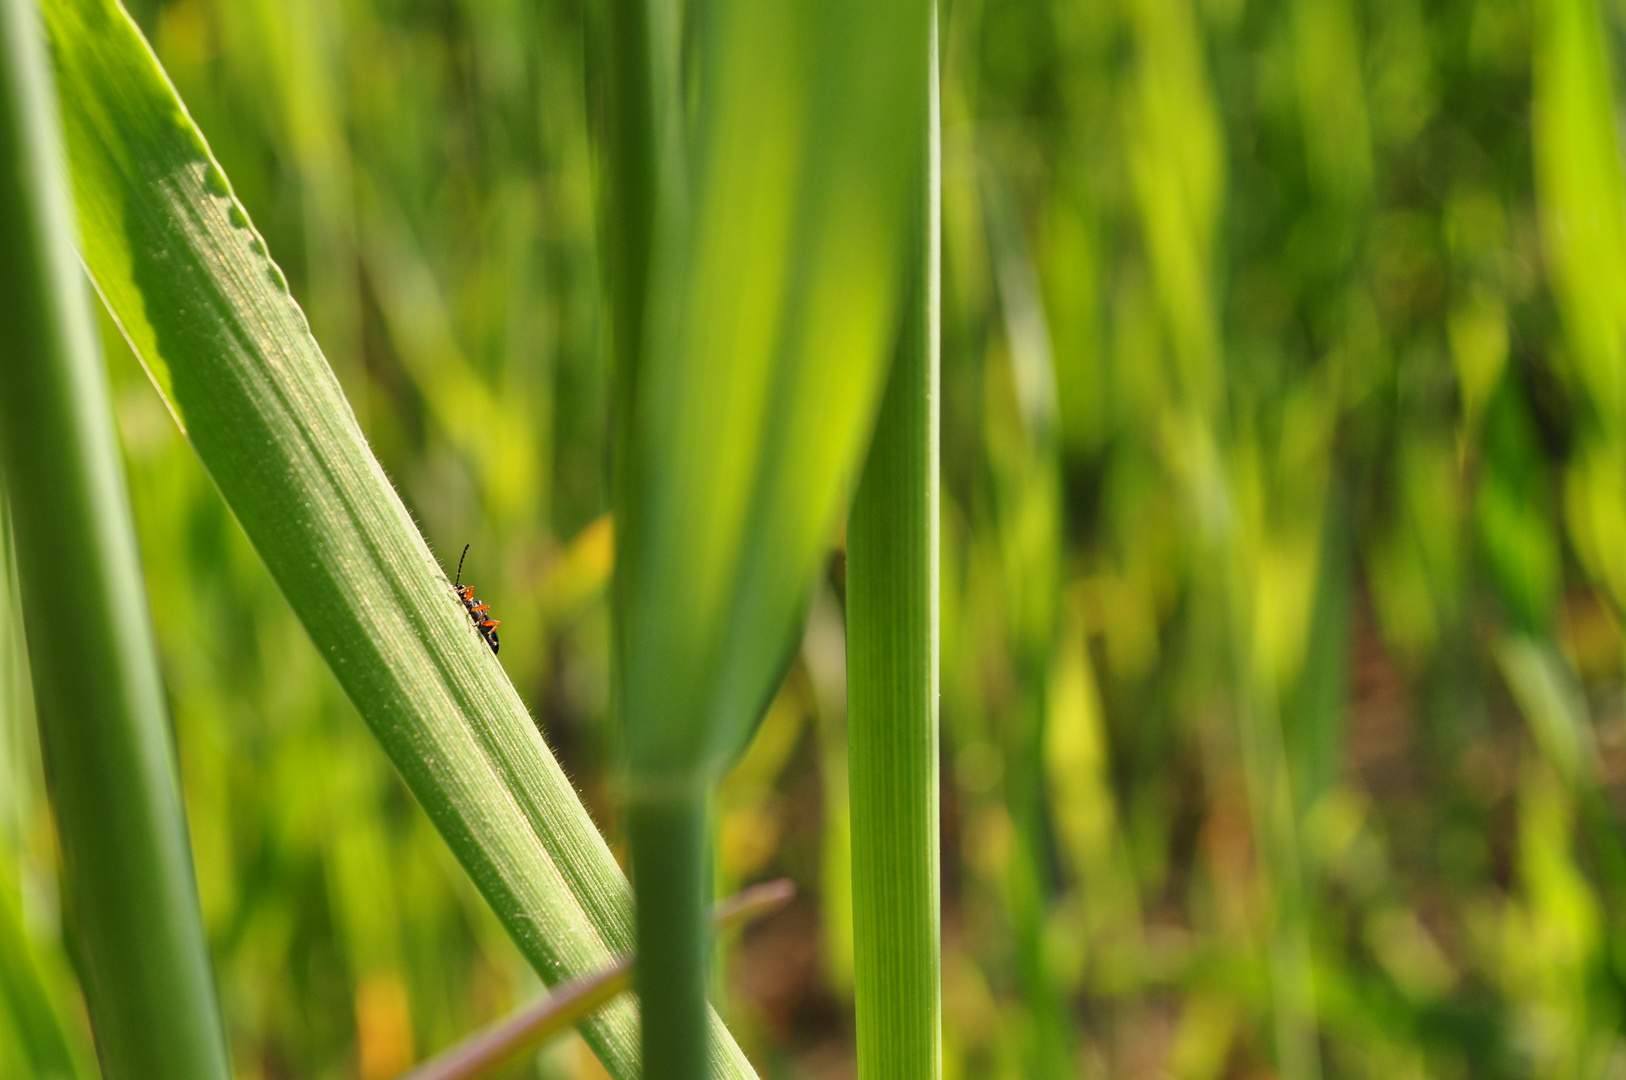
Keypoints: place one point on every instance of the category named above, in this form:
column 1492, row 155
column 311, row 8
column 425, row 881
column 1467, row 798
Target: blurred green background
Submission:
column 1284, row 425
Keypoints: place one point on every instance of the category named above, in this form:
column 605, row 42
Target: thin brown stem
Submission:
column 570, row 1002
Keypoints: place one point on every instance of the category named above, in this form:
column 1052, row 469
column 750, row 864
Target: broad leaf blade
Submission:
column 775, row 283
column 189, row 281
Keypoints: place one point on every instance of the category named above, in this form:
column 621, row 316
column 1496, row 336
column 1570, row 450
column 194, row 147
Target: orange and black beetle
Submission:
column 481, row 614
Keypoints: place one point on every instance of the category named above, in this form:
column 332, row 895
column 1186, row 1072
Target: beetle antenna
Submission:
column 465, row 555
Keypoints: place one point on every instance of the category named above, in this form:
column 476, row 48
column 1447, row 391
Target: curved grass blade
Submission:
column 189, row 281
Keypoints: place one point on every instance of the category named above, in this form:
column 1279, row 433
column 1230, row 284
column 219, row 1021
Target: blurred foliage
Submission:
column 1285, row 497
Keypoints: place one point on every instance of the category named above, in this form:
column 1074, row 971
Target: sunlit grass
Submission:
column 1281, row 652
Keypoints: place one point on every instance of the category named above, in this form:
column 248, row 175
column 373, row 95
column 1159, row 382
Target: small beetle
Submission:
column 479, row 612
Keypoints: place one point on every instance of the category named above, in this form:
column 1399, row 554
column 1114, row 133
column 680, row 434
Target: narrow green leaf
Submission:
column 189, row 281
column 1583, row 194
column 126, row 867
column 26, row 1003
column 892, row 676
column 33, row 1026
column 1581, row 188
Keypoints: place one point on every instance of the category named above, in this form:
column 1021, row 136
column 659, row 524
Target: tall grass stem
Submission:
column 668, row 836
column 126, row 865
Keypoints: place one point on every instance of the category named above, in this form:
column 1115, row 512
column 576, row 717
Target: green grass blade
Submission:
column 26, row 1002
column 774, row 257
column 34, row 1027
column 126, row 867
column 1583, row 195
column 190, row 283
column 892, row 682
column 1581, row 189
